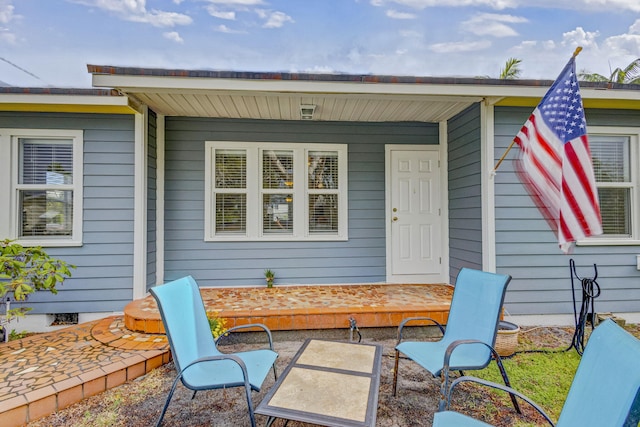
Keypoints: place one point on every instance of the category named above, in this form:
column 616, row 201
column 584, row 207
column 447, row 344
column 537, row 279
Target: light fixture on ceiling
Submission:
column 306, row 111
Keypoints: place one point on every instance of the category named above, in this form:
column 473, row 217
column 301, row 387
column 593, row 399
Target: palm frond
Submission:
column 511, row 69
column 592, row 77
column 628, row 75
column 632, row 72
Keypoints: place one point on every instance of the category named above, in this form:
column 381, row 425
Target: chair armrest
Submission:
column 411, row 319
column 497, row 386
column 457, row 343
column 446, row 368
column 232, row 357
column 252, row 325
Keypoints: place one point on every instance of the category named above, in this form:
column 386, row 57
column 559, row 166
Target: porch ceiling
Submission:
column 286, row 106
column 336, row 97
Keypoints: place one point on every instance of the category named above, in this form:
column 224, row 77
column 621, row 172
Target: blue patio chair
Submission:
column 200, row 365
column 469, row 337
column 605, row 390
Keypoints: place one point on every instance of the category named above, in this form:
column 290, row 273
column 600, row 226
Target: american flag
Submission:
column 555, row 162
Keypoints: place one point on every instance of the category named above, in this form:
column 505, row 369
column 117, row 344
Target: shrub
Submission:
column 26, row 270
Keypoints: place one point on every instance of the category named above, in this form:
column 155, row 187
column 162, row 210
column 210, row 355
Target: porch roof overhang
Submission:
column 336, row 97
column 65, row 100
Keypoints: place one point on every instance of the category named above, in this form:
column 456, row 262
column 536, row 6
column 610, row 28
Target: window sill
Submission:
column 608, row 242
column 277, row 239
column 49, row 243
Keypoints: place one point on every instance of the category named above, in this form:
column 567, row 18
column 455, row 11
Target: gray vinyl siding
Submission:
column 465, row 191
column 102, row 280
column 360, row 259
column 152, row 197
column 528, row 250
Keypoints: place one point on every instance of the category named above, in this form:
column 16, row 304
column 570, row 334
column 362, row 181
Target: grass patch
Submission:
column 544, row 377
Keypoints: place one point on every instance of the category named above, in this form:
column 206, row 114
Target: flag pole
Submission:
column 495, row 168
column 503, row 156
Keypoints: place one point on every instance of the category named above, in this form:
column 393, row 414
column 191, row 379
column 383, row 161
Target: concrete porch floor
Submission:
column 47, row 372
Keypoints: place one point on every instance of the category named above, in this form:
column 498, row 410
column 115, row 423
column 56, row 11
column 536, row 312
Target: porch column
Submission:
column 140, row 205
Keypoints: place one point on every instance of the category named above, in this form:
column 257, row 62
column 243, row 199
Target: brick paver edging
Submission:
column 44, row 373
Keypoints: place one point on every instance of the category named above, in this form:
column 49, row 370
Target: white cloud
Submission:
column 632, row 5
column 580, row 37
column 493, row 24
column 173, row 36
column 591, row 5
column 118, row 6
column 229, row 9
column 161, row 19
column 6, row 12
column 273, row 19
column 453, row 47
column 7, row 17
column 7, row 37
column 624, row 44
column 599, row 55
column 231, row 3
column 391, row 13
column 423, row 4
column 221, row 14
column 136, row 11
column 224, row 29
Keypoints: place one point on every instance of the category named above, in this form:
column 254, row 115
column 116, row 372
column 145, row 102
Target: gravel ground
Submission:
column 139, row 402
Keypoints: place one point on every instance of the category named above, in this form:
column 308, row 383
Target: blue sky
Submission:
column 50, row 42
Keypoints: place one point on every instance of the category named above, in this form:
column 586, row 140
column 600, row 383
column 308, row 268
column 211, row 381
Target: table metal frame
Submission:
column 338, row 365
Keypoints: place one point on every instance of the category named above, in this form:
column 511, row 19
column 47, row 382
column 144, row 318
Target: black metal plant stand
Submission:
column 590, row 291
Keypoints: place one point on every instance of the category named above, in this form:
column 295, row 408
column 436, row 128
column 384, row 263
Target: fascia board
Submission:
column 67, row 103
column 133, row 84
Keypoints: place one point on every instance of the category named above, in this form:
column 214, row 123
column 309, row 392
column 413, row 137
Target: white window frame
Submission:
column 634, row 158
column 9, row 169
column 255, row 192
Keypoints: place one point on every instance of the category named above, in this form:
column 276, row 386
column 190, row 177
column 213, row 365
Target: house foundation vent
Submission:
column 64, row 319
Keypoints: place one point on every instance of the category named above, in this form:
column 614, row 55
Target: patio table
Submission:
column 329, row 383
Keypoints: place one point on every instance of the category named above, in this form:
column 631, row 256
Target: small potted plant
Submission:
column 269, row 275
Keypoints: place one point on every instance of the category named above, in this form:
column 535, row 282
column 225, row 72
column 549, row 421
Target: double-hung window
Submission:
column 616, row 163
column 45, row 190
column 275, row 191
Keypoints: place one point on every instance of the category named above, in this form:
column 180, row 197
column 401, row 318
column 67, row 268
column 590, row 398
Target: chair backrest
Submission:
column 475, row 308
column 185, row 320
column 606, row 385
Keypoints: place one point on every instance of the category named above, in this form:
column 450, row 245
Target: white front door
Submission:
column 414, row 220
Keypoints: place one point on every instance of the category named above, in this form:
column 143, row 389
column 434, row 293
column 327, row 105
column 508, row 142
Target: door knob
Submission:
column 395, row 218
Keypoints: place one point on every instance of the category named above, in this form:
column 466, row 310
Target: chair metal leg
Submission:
column 444, row 388
column 395, row 373
column 505, row 378
column 166, row 403
column 250, row 405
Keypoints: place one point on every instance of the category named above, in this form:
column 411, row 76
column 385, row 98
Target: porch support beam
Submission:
column 487, row 149
column 140, row 206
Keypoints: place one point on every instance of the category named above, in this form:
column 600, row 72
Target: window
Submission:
column 275, row 191
column 46, row 186
column 614, row 153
